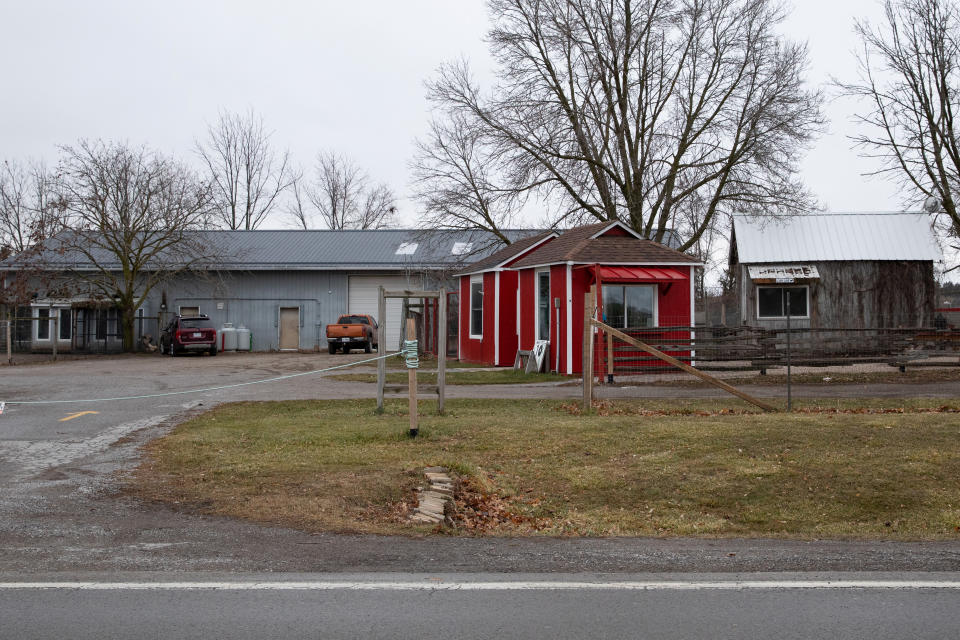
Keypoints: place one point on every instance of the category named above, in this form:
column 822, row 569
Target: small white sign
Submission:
column 785, row 280
column 538, row 353
column 2, row 405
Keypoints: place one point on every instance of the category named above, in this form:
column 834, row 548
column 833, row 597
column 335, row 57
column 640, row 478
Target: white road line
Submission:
column 732, row 585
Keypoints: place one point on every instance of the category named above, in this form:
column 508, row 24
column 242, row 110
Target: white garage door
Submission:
column 362, row 298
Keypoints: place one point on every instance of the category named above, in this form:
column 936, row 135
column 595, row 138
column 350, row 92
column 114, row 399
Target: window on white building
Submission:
column 43, row 324
column 65, row 325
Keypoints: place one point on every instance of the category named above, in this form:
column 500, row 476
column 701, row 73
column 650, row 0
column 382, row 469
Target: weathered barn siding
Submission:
column 856, row 295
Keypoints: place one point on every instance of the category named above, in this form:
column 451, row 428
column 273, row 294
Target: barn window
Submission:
column 476, row 307
column 772, row 302
column 630, row 306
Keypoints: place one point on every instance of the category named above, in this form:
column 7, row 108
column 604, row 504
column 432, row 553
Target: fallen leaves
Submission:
column 479, row 511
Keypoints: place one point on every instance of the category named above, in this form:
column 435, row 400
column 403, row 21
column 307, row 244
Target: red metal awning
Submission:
column 641, row 274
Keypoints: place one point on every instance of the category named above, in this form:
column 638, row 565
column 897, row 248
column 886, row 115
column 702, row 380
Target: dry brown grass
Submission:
column 663, row 468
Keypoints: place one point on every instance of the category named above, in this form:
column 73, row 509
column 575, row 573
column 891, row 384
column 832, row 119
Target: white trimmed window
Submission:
column 543, row 305
column 43, row 324
column 476, row 306
column 631, row 306
column 64, row 324
column 772, row 302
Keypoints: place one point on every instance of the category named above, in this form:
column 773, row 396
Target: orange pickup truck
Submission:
column 352, row 331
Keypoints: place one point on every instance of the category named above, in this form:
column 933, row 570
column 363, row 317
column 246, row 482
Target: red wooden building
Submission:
column 534, row 290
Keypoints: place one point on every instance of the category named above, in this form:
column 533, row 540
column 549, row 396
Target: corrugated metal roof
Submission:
column 391, row 249
column 836, row 236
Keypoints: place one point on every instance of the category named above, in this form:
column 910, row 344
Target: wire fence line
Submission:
column 754, row 349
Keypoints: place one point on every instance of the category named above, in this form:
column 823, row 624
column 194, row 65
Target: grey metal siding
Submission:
column 253, row 299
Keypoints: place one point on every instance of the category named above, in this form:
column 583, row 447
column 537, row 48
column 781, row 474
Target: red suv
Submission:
column 188, row 333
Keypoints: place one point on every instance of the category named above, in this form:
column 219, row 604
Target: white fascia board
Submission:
column 501, row 266
column 530, row 248
column 481, row 271
column 612, row 264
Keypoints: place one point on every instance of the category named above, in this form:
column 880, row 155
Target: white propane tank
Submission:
column 228, row 337
column 243, row 339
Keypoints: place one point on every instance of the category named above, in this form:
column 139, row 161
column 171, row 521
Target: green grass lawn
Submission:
column 662, row 468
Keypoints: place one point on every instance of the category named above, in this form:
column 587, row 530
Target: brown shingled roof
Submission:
column 576, row 245
column 504, row 255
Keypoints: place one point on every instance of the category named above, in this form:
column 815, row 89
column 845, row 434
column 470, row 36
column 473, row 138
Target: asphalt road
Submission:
column 491, row 606
column 64, row 517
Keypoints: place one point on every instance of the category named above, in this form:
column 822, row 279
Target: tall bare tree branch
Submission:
column 29, row 209
column 635, row 110
column 910, row 86
column 131, row 214
column 341, row 196
column 247, row 174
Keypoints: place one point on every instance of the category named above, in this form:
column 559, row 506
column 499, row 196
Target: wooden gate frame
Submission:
column 590, row 323
column 441, row 295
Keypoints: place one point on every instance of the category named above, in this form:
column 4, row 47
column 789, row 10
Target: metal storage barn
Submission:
column 842, row 271
column 284, row 286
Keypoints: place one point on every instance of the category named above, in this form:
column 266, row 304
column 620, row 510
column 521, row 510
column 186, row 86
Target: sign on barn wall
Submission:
column 783, row 273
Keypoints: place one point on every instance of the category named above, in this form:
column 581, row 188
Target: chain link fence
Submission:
column 57, row 331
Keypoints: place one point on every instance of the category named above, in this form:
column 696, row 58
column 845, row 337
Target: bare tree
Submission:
column 132, row 212
column 247, row 174
column 456, row 180
column 341, row 196
column 910, row 77
column 29, row 209
column 639, row 110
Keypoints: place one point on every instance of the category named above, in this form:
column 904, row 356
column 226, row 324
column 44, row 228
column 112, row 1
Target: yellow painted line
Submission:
column 77, row 415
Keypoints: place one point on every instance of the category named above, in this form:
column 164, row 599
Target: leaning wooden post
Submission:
column 9, row 340
column 381, row 348
column 56, row 334
column 442, row 351
column 412, row 378
column 609, row 358
column 587, row 354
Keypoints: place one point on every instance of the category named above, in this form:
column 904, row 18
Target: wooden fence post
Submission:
column 586, row 356
column 609, row 358
column 55, row 336
column 412, row 380
column 381, row 348
column 442, row 351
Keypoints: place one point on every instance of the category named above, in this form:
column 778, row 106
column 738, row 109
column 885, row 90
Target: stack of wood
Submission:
column 432, row 502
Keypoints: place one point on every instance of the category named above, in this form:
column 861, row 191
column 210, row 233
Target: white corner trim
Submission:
column 569, row 318
column 517, row 325
column 461, row 316
column 693, row 313
column 496, row 318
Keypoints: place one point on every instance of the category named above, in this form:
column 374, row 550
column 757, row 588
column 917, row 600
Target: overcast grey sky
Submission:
column 344, row 76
